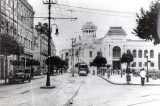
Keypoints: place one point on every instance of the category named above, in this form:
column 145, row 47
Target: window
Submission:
column 140, row 64
column 90, row 53
column 151, row 54
column 140, row 53
column 66, row 54
column 152, row 64
column 116, row 51
column 145, row 53
column 145, row 64
column 134, row 54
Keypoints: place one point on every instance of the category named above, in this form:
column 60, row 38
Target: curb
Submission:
column 126, row 83
column 38, row 78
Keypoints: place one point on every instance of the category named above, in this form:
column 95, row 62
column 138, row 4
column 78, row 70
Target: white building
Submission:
column 112, row 46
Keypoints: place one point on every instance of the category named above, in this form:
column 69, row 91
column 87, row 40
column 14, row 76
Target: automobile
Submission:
column 20, row 75
column 40, row 72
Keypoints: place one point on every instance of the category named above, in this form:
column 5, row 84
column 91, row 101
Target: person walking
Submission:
column 108, row 73
column 143, row 75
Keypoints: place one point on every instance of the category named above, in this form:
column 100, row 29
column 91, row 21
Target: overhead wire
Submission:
column 109, row 14
column 105, row 12
column 64, row 5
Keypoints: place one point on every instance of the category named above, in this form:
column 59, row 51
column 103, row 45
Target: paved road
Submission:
column 81, row 91
column 30, row 94
column 97, row 92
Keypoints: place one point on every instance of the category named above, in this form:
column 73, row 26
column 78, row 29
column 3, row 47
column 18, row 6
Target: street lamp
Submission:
column 48, row 33
column 147, row 80
column 57, row 32
column 49, row 52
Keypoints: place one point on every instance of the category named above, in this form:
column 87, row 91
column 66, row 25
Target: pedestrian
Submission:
column 108, row 73
column 93, row 72
column 143, row 75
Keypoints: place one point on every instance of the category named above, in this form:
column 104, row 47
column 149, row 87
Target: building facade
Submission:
column 41, row 48
column 16, row 18
column 112, row 46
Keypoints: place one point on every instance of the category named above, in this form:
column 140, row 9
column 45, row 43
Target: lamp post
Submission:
column 147, row 79
column 48, row 33
column 49, row 52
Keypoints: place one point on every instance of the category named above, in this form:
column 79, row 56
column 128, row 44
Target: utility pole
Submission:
column 72, row 57
column 0, row 15
column 49, row 39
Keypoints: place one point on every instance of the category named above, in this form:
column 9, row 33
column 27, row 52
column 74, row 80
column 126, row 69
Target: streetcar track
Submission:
column 2, row 98
column 30, row 84
column 25, row 92
column 70, row 101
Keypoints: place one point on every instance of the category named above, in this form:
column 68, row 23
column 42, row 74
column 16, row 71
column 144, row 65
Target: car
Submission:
column 20, row 75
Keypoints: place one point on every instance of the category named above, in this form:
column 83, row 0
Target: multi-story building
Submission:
column 16, row 18
column 112, row 46
column 41, row 48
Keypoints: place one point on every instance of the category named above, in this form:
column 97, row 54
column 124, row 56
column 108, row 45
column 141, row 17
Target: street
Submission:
column 78, row 91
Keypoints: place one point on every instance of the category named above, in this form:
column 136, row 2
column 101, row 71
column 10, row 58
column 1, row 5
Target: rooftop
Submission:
column 89, row 25
column 116, row 31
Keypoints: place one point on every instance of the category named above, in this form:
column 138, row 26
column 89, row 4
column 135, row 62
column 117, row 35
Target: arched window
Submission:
column 151, row 54
column 140, row 53
column 145, row 53
column 116, row 51
column 134, row 53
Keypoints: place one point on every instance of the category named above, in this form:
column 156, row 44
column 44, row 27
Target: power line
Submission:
column 95, row 9
column 109, row 14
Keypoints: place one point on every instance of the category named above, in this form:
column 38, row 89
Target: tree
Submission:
column 127, row 58
column 9, row 46
column 99, row 61
column 108, row 66
column 32, row 63
column 63, row 64
column 147, row 23
column 55, row 61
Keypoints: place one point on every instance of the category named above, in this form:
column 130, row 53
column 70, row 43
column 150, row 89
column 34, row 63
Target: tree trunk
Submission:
column 32, row 71
column 6, row 68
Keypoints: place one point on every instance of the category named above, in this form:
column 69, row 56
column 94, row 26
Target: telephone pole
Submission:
column 72, row 57
column 49, row 3
column 49, row 39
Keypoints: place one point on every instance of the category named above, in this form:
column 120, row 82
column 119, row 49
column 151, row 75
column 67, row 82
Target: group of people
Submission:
column 108, row 72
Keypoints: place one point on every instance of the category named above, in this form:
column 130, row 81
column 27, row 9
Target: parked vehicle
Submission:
column 20, row 75
column 83, row 69
column 40, row 72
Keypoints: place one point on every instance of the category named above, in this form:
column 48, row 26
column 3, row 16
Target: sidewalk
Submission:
column 118, row 80
column 2, row 81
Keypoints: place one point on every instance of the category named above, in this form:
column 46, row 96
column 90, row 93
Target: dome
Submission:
column 89, row 25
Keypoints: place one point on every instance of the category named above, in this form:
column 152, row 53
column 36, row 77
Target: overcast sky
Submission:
column 117, row 13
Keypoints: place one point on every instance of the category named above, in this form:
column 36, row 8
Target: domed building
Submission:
column 112, row 46
column 88, row 32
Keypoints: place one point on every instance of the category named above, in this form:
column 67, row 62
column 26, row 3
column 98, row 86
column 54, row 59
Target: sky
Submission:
column 103, row 13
